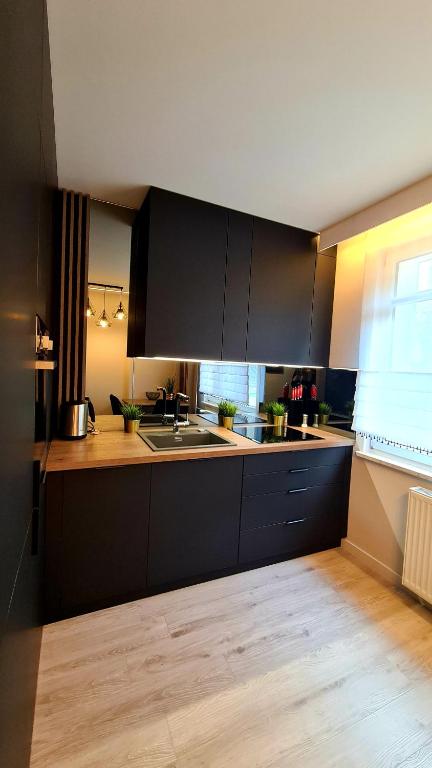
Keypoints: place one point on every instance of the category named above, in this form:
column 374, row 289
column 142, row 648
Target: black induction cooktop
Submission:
column 269, row 434
column 239, row 418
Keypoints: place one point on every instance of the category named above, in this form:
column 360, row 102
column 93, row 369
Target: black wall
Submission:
column 28, row 179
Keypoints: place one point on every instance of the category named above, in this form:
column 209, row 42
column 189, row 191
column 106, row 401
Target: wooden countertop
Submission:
column 113, row 447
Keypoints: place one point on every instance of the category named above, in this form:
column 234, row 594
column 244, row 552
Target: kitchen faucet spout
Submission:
column 178, row 398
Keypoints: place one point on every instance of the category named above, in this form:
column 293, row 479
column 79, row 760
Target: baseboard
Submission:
column 370, row 563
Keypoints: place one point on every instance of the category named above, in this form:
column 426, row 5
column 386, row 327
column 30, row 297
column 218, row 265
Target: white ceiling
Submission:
column 302, row 111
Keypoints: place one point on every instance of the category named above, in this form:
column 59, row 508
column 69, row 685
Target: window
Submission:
column 393, row 403
column 239, row 383
column 412, row 315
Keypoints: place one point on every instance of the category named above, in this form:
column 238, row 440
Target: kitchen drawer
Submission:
column 297, row 537
column 295, row 477
column 286, row 506
column 256, row 464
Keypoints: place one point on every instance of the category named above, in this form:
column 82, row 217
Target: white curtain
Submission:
column 393, row 402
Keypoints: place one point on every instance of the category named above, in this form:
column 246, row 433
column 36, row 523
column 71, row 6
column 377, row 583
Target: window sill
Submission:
column 398, row 464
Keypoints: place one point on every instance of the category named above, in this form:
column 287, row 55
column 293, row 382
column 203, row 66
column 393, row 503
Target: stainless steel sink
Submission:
column 192, row 438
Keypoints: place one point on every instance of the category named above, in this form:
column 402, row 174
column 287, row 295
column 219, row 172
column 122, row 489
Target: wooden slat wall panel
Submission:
column 72, row 291
column 85, row 235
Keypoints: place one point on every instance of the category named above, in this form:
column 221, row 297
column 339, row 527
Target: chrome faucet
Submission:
column 178, row 398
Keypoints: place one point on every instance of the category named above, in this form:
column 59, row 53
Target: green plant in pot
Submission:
column 274, row 409
column 324, row 410
column 227, row 411
column 278, row 411
column 268, row 408
column 170, row 387
column 131, row 415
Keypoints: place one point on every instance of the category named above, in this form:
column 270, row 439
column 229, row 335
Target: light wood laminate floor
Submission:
column 307, row 663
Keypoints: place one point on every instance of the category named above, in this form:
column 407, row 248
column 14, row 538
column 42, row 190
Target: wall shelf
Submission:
column 45, row 365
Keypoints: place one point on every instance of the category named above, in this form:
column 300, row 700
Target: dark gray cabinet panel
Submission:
column 19, row 661
column 183, row 297
column 281, row 291
column 237, row 286
column 287, row 480
column 256, row 464
column 28, row 167
column 293, row 502
column 285, row 506
column 210, row 283
column 20, row 80
column 119, row 533
column 290, row 539
column 323, row 307
column 103, row 536
column 194, row 518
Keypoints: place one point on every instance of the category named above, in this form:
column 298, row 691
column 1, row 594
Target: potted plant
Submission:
column 221, row 411
column 272, row 409
column 278, row 410
column 131, row 415
column 227, row 411
column 268, row 407
column 170, row 387
column 324, row 410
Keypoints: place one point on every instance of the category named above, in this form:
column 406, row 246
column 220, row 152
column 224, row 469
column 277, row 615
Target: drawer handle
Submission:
column 298, row 490
column 293, row 522
column 294, row 471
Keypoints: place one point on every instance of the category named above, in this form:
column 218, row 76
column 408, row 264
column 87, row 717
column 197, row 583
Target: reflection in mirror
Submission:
column 108, row 369
column 324, row 392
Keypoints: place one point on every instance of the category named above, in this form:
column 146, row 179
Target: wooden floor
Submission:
column 310, row 663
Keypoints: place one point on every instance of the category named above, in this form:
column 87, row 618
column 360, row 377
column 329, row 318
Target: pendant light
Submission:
column 90, row 309
column 103, row 321
column 120, row 313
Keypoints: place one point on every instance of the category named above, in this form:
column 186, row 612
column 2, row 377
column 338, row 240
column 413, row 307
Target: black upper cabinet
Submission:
column 281, row 291
column 215, row 284
column 238, row 266
column 178, row 278
column 323, row 307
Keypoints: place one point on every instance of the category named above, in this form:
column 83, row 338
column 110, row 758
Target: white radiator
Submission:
column 417, row 566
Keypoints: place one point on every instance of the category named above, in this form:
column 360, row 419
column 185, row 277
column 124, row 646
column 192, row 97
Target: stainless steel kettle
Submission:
column 74, row 420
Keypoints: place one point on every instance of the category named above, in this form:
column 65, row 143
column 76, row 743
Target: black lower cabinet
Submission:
column 294, row 502
column 121, row 533
column 299, row 536
column 290, row 506
column 97, row 538
column 194, row 518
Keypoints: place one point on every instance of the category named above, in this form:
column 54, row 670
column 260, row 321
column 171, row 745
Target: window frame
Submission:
column 365, row 450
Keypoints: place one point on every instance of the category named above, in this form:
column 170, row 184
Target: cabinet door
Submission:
column 186, row 277
column 291, row 539
column 19, row 661
column 194, row 518
column 323, row 307
column 281, row 291
column 237, row 286
column 104, row 536
column 288, row 506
